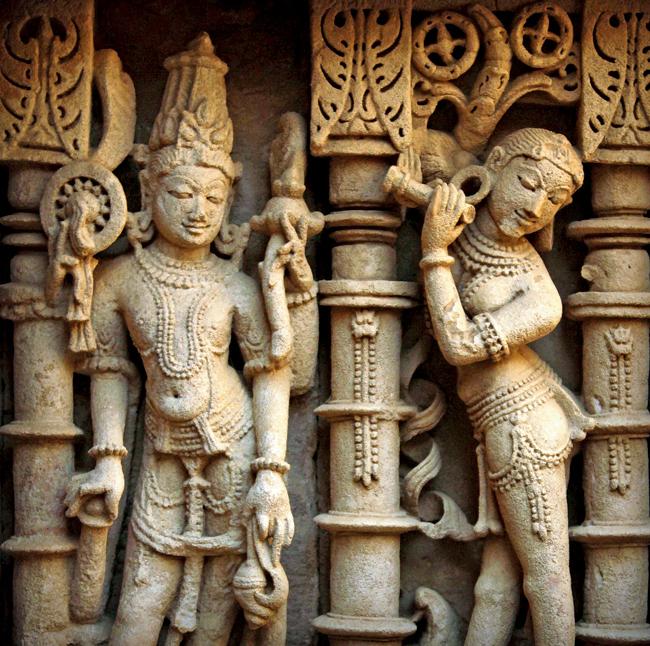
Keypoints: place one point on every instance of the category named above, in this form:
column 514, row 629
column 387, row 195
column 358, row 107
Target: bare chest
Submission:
column 179, row 328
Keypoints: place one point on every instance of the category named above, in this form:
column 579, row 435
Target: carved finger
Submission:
column 262, row 526
column 271, row 530
column 91, row 489
column 288, row 228
column 303, row 228
column 73, row 503
column 279, row 537
column 267, row 605
column 291, row 528
column 112, row 501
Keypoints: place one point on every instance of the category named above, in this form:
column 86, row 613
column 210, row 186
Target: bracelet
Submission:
column 496, row 346
column 105, row 450
column 436, row 259
column 266, row 464
column 300, row 298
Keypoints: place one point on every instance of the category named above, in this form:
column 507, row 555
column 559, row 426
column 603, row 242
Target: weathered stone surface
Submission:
column 428, row 88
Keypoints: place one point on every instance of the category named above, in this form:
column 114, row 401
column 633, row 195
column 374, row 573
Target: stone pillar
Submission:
column 365, row 520
column 614, row 315
column 42, row 432
column 49, row 66
column 361, row 118
column 614, row 133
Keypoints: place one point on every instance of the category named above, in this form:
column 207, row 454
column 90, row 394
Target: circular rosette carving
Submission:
column 542, row 35
column 90, row 199
column 445, row 46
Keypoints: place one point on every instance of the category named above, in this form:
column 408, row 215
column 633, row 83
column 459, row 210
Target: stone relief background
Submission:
column 266, row 45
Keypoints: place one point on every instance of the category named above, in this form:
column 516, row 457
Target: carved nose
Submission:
column 197, row 210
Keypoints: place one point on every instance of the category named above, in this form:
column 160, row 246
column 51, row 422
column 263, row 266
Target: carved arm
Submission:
column 529, row 316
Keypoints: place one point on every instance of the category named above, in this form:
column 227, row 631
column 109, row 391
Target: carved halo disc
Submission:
column 453, row 49
column 542, row 35
column 84, row 176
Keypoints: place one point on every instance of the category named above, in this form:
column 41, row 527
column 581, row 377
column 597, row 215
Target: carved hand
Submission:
column 106, row 480
column 445, row 218
column 269, row 501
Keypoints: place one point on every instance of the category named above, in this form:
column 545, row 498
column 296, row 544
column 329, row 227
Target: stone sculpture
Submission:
column 489, row 295
column 211, row 512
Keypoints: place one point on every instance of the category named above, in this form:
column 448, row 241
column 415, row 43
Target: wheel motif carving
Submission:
column 542, row 35
column 445, row 46
column 106, row 195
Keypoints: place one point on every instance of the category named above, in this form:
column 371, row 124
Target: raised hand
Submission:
column 445, row 219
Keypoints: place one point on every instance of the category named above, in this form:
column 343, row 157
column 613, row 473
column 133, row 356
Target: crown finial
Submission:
column 194, row 112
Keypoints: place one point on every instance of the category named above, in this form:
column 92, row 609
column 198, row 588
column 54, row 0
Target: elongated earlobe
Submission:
column 542, row 240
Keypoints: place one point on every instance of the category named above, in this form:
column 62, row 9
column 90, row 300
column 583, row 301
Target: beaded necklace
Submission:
column 483, row 259
column 163, row 276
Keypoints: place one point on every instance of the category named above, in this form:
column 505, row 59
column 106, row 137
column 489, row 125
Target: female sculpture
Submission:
column 489, row 295
column 211, row 491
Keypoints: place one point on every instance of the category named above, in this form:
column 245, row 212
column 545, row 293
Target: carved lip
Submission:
column 196, row 228
column 526, row 216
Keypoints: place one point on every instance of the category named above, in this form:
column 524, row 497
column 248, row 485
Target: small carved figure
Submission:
column 211, row 511
column 489, row 295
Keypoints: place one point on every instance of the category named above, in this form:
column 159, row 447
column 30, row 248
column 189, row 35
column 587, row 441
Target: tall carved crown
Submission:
column 193, row 117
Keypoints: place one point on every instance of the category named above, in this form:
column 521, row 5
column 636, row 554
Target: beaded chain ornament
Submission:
column 513, row 403
column 484, row 259
column 162, row 274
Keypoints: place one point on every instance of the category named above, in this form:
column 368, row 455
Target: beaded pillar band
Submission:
column 495, row 344
column 266, row 464
column 436, row 259
column 104, row 450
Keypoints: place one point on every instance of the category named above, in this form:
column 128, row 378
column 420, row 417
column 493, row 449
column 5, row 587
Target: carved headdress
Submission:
column 193, row 126
column 538, row 144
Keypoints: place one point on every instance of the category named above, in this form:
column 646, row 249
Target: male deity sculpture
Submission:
column 489, row 295
column 211, row 512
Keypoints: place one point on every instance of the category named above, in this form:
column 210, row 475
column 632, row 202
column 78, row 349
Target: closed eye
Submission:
column 215, row 199
column 180, row 195
column 528, row 182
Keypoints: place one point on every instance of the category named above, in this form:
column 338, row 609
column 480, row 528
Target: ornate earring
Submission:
column 474, row 181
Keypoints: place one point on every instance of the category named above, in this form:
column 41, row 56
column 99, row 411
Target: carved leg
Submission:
column 545, row 563
column 217, row 606
column 496, row 595
column 149, row 587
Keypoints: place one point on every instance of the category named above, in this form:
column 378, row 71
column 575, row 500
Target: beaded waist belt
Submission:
column 209, row 433
column 521, row 396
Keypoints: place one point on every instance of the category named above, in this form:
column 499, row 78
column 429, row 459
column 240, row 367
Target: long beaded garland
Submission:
column 160, row 280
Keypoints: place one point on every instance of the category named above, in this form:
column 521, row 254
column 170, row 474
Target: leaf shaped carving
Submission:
column 605, row 58
column 18, row 86
column 643, row 63
column 333, row 44
column 387, row 54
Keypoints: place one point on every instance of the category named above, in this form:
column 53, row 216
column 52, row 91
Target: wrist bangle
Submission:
column 436, row 259
column 493, row 341
column 266, row 464
column 300, row 298
column 105, row 450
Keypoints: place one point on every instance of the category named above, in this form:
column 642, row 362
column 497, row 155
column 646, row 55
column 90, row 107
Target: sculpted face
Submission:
column 527, row 194
column 189, row 205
